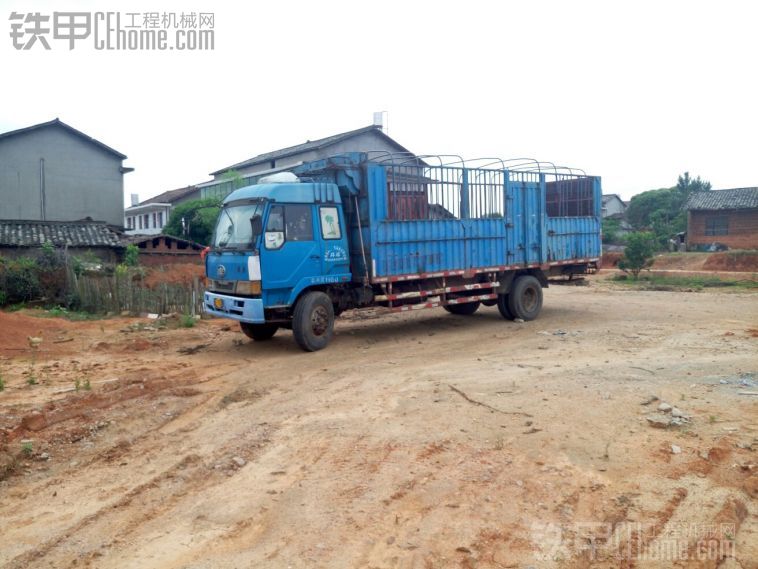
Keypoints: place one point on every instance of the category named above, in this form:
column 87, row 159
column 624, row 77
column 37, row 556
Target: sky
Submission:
column 635, row 92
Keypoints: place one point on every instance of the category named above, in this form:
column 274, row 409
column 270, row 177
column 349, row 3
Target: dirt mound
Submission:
column 15, row 327
column 611, row 259
column 681, row 261
column 179, row 273
column 732, row 261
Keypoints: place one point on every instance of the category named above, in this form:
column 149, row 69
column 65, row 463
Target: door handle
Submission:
column 315, row 256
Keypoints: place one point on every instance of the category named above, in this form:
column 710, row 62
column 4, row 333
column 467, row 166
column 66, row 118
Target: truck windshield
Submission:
column 234, row 228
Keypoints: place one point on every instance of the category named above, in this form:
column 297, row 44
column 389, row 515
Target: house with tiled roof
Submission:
column 370, row 138
column 723, row 218
column 25, row 238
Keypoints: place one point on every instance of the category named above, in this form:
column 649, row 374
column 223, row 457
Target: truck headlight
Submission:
column 248, row 287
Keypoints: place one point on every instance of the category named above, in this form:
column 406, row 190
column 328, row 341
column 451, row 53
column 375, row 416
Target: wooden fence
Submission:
column 125, row 292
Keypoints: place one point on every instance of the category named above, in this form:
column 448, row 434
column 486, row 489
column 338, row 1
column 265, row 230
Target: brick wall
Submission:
column 742, row 229
column 163, row 250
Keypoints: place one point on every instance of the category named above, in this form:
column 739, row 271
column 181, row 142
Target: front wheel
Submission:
column 465, row 309
column 313, row 321
column 525, row 298
column 259, row 332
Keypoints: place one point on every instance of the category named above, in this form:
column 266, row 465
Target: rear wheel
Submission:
column 502, row 306
column 525, row 298
column 313, row 321
column 259, row 332
column 465, row 309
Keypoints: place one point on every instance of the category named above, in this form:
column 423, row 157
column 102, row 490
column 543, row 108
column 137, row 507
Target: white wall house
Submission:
column 147, row 219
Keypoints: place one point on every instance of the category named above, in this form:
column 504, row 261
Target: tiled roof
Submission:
column 738, row 198
column 60, row 233
column 309, row 145
column 171, row 196
column 59, row 123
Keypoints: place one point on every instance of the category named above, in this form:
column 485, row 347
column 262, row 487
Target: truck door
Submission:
column 291, row 250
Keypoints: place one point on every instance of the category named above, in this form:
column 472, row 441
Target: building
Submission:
column 613, row 206
column 77, row 238
column 165, row 250
column 723, row 217
column 53, row 172
column 151, row 216
column 247, row 172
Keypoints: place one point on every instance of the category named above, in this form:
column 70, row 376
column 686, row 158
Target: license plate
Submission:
column 218, row 303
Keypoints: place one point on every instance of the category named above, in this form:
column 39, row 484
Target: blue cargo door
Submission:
column 524, row 218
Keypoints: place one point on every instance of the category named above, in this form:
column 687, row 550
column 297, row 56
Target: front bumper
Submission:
column 243, row 309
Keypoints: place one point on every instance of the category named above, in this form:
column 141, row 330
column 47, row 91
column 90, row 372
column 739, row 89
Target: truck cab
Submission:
column 273, row 242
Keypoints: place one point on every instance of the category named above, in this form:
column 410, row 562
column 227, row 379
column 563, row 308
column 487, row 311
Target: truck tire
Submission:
column 525, row 298
column 313, row 321
column 502, row 306
column 259, row 332
column 465, row 309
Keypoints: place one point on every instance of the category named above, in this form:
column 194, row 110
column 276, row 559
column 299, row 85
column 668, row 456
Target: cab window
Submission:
column 330, row 223
column 288, row 223
column 298, row 223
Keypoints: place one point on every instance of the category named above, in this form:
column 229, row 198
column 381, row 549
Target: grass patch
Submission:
column 187, row 321
column 655, row 282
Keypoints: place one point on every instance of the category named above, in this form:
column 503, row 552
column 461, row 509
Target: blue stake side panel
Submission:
column 444, row 218
column 526, row 235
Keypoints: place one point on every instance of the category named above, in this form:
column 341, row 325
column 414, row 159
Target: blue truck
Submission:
column 398, row 231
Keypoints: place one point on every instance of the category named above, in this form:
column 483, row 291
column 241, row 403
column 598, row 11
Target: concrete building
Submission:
column 613, row 206
column 151, row 216
column 369, row 138
column 723, row 218
column 53, row 172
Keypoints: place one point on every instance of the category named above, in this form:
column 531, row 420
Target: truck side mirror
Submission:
column 256, row 224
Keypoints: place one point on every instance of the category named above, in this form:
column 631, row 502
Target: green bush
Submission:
column 638, row 255
column 19, row 280
column 131, row 256
column 187, row 321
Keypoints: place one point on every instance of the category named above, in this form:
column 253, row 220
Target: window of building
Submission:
column 160, row 219
column 717, row 225
column 155, row 219
column 147, row 220
column 139, row 220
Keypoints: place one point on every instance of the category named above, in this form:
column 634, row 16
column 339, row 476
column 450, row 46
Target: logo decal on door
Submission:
column 334, row 254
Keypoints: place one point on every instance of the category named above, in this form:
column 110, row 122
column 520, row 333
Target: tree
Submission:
column 131, row 255
column 685, row 184
column 638, row 255
column 194, row 220
column 611, row 228
column 662, row 211
column 235, row 179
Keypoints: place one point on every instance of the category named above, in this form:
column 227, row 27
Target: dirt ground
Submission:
column 725, row 261
column 418, row 440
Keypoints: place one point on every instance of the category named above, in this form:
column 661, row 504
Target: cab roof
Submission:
column 308, row 192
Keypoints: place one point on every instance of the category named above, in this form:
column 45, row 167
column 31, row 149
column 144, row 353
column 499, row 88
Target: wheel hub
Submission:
column 319, row 321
